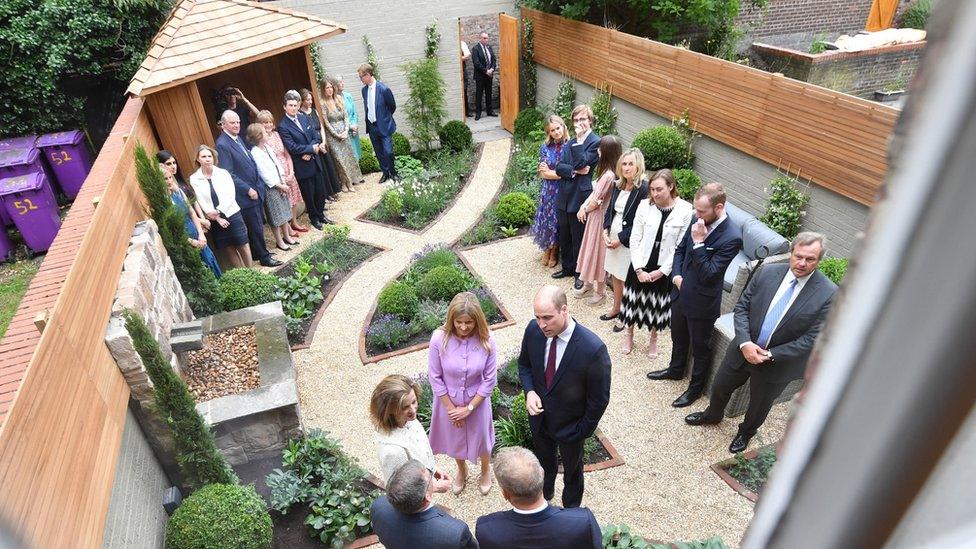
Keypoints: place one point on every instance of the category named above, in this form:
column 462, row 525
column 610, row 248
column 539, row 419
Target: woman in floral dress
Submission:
column 546, row 224
column 337, row 133
column 294, row 193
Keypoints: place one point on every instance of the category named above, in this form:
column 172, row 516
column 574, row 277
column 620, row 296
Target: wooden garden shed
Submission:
column 207, row 44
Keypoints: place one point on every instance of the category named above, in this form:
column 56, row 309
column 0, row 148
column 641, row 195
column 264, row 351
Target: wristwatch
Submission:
column 470, row 408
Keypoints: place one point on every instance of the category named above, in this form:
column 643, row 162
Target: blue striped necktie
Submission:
column 774, row 315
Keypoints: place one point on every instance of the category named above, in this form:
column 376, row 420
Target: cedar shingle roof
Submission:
column 202, row 37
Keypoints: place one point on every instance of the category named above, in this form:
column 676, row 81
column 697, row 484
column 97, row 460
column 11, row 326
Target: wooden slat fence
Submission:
column 836, row 140
column 65, row 399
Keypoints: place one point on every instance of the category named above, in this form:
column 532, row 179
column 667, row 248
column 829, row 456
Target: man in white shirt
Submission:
column 777, row 320
column 379, row 108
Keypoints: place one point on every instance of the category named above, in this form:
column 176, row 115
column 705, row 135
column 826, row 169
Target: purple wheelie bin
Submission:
column 22, row 160
column 67, row 154
column 24, row 142
column 30, row 202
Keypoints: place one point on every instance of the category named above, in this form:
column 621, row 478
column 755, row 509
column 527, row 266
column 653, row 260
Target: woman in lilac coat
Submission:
column 461, row 367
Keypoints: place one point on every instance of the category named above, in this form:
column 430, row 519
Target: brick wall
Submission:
column 396, row 30
column 796, row 16
column 745, row 177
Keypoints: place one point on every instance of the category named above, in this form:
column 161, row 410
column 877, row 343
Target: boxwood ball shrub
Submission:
column 443, row 283
column 239, row 288
column 455, row 136
column 688, row 183
column 401, row 145
column 528, row 120
column 398, row 299
column 515, row 209
column 220, row 515
column 436, row 258
column 664, row 147
column 368, row 163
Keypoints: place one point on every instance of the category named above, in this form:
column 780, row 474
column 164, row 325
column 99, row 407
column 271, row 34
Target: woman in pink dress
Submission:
column 461, row 368
column 278, row 148
column 593, row 249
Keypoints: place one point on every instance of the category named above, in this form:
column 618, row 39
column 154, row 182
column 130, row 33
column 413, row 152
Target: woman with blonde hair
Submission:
column 216, row 195
column 399, row 435
column 461, row 366
column 545, row 227
column 295, row 199
column 618, row 222
column 337, row 134
column 276, row 207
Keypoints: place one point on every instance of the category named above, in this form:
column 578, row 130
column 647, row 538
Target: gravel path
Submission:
column 665, row 491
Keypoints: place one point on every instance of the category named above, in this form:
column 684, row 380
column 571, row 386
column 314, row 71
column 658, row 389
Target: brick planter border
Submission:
column 741, row 489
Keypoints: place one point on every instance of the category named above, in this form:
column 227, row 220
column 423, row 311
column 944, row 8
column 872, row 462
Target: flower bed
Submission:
column 426, row 190
column 501, row 220
column 747, row 472
column 411, row 307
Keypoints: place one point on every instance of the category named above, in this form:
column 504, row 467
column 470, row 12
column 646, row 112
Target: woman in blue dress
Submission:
column 353, row 119
column 545, row 228
column 194, row 228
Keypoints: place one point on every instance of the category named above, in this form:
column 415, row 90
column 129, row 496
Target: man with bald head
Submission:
column 565, row 372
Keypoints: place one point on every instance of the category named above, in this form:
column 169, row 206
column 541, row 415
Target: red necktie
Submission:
column 551, row 364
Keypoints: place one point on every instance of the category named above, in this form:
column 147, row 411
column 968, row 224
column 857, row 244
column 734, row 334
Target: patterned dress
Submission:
column 648, row 304
column 346, row 162
column 353, row 121
column 546, row 224
column 294, row 192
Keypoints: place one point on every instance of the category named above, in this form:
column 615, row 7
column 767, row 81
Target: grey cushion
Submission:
column 728, row 279
column 755, row 235
column 737, row 215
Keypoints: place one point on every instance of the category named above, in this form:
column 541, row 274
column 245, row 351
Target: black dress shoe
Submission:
column 317, row 225
column 561, row 274
column 477, row 117
column 687, row 398
column 271, row 263
column 327, row 221
column 663, row 374
column 739, row 444
column 490, row 114
column 700, row 418
column 384, row 179
column 470, row 114
column 577, row 283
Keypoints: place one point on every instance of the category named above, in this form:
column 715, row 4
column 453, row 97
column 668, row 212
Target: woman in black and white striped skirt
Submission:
column 659, row 224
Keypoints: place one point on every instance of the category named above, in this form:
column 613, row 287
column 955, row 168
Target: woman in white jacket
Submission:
column 277, row 209
column 659, row 224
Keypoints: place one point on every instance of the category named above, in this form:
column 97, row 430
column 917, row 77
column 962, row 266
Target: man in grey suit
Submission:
column 777, row 321
column 405, row 518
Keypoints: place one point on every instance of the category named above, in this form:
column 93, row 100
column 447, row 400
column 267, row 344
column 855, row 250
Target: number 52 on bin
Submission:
column 24, row 206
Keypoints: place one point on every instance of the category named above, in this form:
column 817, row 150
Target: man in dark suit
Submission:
column 532, row 522
column 405, row 518
column 709, row 245
column 777, row 320
column 379, row 105
column 304, row 144
column 485, row 64
column 575, row 167
column 565, row 372
column 234, row 155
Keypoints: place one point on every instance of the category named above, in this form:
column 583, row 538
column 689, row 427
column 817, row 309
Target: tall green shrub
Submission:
column 528, row 120
column 784, row 213
column 563, row 103
column 425, row 108
column 198, row 281
column 529, row 79
column 196, row 452
column 220, row 515
column 603, row 112
column 664, row 147
column 917, row 15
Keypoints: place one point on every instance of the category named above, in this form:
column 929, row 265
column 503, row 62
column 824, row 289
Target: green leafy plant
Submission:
column 425, row 107
column 664, row 147
column 819, row 44
column 710, row 543
column 499, row 401
column 430, row 316
column 336, row 250
column 433, row 40
column 426, row 196
column 425, row 401
column 603, row 111
column 287, row 489
column 514, row 430
column 300, row 293
column 387, row 331
column 508, row 231
column 240, row 288
column 785, row 211
column 443, row 283
column 456, row 136
column 528, row 120
column 371, row 56
column 564, row 101
column 313, row 53
column 220, row 515
column 835, row 268
column 339, row 515
column 688, row 182
column 488, row 305
column 529, row 78
column 196, row 452
column 408, row 167
column 917, row 15
column 618, row 535
column 391, row 204
column 368, row 163
column 752, row 473
column 515, row 209
column 487, row 229
column 509, row 373
column 196, row 279
column 400, row 299
column 428, row 260
column 401, row 145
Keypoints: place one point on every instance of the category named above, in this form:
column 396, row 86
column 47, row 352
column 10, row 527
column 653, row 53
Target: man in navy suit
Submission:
column 405, row 518
column 532, row 522
column 303, row 144
column 380, row 125
column 234, row 155
column 576, row 166
column 777, row 320
column 565, row 372
column 485, row 63
column 709, row 245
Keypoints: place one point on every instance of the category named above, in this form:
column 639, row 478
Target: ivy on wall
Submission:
column 371, row 56
column 529, row 78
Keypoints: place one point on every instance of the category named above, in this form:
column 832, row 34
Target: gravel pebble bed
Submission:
column 665, row 491
column 227, row 364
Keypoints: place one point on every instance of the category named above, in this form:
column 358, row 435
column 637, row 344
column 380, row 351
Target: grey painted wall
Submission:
column 136, row 518
column 396, row 30
column 744, row 176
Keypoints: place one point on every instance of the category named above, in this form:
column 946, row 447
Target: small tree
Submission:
column 785, row 211
column 563, row 103
column 198, row 281
column 371, row 56
column 603, row 112
column 425, row 107
column 196, row 452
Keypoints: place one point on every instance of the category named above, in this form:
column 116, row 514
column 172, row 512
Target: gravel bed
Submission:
column 227, row 364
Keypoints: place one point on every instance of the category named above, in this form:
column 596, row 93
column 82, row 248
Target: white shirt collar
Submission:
column 799, row 281
column 567, row 331
column 585, row 135
column 234, row 137
column 717, row 222
column 538, row 509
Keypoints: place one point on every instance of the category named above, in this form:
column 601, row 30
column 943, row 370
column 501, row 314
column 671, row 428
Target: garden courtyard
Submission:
column 665, row 489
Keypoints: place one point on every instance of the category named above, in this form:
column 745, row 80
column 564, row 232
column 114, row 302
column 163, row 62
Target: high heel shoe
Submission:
column 482, row 487
column 455, row 489
column 628, row 345
column 652, row 349
column 299, row 229
column 283, row 248
column 291, row 242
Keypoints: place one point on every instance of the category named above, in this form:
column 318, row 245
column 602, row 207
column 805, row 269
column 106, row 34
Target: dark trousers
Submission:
column 313, row 193
column 254, row 220
column 695, row 335
column 572, row 456
column 570, row 240
column 482, row 87
column 383, row 147
column 330, row 176
column 761, row 397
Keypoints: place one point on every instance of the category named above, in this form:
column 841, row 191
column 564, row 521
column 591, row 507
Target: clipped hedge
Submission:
column 455, row 136
column 515, row 209
column 443, row 283
column 240, row 288
column 220, row 515
column 368, row 163
column 528, row 120
column 401, row 145
column 398, row 299
column 664, row 147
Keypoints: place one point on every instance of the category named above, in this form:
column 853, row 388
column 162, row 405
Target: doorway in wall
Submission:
column 470, row 29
